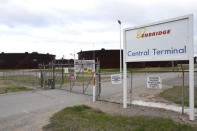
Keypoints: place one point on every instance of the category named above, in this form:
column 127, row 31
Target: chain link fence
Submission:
column 169, row 89
column 161, row 89
column 26, row 77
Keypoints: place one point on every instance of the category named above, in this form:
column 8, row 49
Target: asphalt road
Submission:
column 31, row 110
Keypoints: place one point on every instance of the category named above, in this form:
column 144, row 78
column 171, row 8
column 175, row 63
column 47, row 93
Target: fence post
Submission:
column 83, row 77
column 53, row 75
column 62, row 74
column 98, row 80
column 41, row 79
column 131, row 89
column 182, row 89
column 94, row 88
column 44, row 76
column 3, row 75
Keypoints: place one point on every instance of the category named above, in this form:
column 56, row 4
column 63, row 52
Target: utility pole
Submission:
column 119, row 22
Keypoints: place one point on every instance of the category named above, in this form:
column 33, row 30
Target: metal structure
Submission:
column 119, row 22
column 63, row 76
column 139, row 94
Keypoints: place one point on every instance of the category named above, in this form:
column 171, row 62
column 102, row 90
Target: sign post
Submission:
column 191, row 68
column 124, row 84
column 167, row 40
column 94, row 88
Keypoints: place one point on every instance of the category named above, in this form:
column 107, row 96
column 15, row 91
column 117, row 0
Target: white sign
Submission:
column 84, row 66
column 166, row 40
column 66, row 70
column 154, row 82
column 116, row 79
column 161, row 41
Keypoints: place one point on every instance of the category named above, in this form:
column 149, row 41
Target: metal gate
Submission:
column 65, row 77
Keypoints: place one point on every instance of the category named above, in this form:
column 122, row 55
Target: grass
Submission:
column 8, row 86
column 23, row 78
column 174, row 95
column 84, row 118
column 58, row 79
column 33, row 80
column 177, row 68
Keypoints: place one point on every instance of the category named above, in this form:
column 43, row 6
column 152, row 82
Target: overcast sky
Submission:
column 62, row 27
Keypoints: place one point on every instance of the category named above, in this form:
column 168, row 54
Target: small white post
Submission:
column 94, row 88
column 125, row 85
column 94, row 94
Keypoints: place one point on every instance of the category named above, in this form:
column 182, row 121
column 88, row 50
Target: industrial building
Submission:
column 107, row 58
column 24, row 60
column 111, row 59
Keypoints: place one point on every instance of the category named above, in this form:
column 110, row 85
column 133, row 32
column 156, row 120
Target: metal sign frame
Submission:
column 190, row 58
